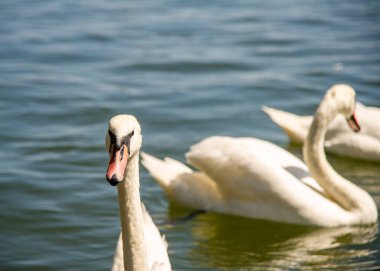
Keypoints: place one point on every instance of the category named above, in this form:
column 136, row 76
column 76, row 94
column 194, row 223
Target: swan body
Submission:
column 255, row 178
column 339, row 138
column 140, row 246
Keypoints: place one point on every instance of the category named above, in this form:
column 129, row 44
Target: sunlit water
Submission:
column 187, row 70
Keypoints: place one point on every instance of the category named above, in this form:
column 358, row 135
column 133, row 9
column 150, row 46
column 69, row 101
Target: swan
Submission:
column 339, row 138
column 140, row 246
column 255, row 178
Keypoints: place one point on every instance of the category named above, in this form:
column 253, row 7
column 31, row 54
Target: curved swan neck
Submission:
column 131, row 216
column 313, row 149
column 339, row 189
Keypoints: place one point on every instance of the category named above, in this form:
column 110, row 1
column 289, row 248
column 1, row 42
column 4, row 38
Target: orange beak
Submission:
column 117, row 165
column 353, row 123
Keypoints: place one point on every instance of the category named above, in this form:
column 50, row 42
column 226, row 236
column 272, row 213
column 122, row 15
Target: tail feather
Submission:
column 296, row 127
column 163, row 171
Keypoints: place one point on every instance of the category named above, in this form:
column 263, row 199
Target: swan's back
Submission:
column 296, row 127
column 242, row 154
column 259, row 179
column 339, row 137
column 368, row 118
column 156, row 246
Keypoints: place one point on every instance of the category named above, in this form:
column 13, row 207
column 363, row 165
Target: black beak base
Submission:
column 113, row 181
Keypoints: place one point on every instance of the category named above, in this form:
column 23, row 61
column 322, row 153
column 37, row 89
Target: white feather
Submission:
column 254, row 178
column 339, row 138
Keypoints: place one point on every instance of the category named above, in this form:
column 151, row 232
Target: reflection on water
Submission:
column 232, row 242
column 187, row 70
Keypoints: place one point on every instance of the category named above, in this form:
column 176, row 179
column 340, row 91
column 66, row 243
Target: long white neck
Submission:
column 343, row 192
column 131, row 216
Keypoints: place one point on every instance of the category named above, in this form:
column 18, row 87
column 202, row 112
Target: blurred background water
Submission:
column 187, row 70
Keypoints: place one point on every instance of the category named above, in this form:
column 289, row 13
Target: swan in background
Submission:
column 339, row 138
column 140, row 246
column 255, row 178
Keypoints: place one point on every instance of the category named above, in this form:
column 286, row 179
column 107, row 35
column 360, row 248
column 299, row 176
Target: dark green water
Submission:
column 187, row 70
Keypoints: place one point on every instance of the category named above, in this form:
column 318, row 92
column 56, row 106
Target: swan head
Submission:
column 123, row 141
column 341, row 97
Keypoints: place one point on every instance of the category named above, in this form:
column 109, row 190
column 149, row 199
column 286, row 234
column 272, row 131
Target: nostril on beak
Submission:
column 113, row 181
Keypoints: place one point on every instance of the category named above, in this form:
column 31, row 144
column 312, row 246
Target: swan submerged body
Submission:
column 255, row 178
column 140, row 246
column 339, row 138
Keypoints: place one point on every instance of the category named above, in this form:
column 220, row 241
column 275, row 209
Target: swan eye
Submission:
column 111, row 149
column 112, row 138
column 127, row 141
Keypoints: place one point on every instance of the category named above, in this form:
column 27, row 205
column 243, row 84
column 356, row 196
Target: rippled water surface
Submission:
column 187, row 70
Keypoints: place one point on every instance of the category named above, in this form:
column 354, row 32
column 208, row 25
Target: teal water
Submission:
column 187, row 70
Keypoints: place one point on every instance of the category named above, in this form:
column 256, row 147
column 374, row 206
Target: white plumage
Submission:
column 140, row 246
column 255, row 178
column 339, row 138
column 155, row 244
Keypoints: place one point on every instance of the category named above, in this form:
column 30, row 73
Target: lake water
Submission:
column 187, row 70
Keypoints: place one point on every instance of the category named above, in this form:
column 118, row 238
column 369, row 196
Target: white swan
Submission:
column 339, row 138
column 142, row 245
column 254, row 178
